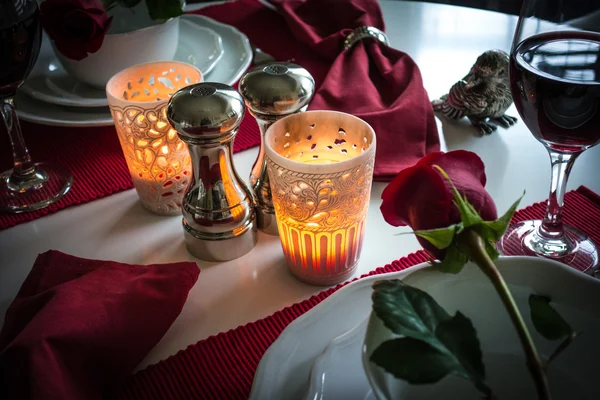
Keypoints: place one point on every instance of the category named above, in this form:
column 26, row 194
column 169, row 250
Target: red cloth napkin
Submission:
column 78, row 328
column 375, row 82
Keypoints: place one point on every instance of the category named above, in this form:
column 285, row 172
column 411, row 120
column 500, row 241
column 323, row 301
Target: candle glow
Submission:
column 320, row 168
column 158, row 161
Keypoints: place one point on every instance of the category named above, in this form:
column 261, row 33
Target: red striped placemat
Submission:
column 223, row 366
column 93, row 155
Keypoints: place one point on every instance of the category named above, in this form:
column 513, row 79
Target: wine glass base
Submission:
column 575, row 248
column 44, row 186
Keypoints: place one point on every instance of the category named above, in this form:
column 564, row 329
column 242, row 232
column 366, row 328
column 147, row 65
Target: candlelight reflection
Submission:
column 157, row 159
column 321, row 165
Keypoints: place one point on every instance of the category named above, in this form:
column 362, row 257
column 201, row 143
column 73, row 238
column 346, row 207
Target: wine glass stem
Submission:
column 23, row 166
column 552, row 224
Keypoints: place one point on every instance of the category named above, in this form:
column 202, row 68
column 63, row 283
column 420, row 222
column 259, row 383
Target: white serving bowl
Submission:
column 122, row 50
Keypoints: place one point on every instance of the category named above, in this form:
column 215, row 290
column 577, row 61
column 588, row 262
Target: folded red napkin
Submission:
column 78, row 328
column 371, row 80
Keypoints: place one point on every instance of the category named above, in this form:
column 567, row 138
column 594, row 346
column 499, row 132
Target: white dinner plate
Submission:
column 329, row 338
column 350, row 382
column 283, row 371
column 33, row 110
column 236, row 57
column 51, row 83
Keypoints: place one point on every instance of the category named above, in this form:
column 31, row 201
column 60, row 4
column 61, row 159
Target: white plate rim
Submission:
column 258, row 390
column 271, row 363
column 243, row 66
column 56, row 99
column 104, row 118
column 315, row 385
column 211, row 63
column 101, row 119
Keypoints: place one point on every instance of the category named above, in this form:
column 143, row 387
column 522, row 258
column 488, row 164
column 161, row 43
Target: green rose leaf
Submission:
column 491, row 250
column 546, row 320
column 128, row 3
column 468, row 214
column 448, row 345
column 164, row 9
column 412, row 360
column 454, row 261
column 549, row 323
column 406, row 310
column 459, row 338
column 441, row 238
column 445, row 238
column 493, row 230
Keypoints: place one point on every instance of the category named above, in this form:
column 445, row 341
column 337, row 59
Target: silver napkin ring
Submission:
column 364, row 32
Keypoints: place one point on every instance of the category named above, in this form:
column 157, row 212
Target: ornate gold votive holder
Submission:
column 159, row 162
column 321, row 167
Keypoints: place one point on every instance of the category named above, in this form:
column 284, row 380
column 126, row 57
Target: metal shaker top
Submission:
column 277, row 88
column 205, row 111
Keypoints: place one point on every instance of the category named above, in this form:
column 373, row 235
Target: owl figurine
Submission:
column 483, row 95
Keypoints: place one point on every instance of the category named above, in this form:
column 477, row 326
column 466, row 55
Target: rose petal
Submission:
column 77, row 27
column 96, row 42
column 422, row 198
column 457, row 160
column 107, row 24
column 51, row 20
column 72, row 52
column 90, row 4
column 54, row 4
column 79, row 24
column 467, row 172
column 99, row 17
column 417, row 197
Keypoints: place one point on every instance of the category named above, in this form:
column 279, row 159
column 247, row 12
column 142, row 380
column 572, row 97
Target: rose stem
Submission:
column 485, row 263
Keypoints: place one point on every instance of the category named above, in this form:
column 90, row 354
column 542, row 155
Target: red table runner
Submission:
column 223, row 366
column 93, row 155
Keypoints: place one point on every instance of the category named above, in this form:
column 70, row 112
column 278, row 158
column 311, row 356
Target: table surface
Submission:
column 444, row 41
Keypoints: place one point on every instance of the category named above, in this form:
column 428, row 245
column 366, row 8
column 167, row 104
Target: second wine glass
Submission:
column 27, row 186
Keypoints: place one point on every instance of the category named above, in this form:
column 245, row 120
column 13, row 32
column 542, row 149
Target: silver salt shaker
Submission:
column 219, row 219
column 271, row 92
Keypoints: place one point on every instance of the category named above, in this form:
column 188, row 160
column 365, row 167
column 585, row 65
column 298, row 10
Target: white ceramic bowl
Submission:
column 122, row 50
column 574, row 295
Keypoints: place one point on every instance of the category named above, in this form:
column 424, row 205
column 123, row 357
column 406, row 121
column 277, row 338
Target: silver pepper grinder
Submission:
column 271, row 92
column 219, row 219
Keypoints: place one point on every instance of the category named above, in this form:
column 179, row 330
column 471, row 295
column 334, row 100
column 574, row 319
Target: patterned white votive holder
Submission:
column 320, row 168
column 159, row 162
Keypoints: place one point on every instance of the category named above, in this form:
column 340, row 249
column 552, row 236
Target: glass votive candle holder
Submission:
column 158, row 161
column 320, row 167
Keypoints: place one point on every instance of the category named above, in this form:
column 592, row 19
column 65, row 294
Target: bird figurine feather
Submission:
column 483, row 95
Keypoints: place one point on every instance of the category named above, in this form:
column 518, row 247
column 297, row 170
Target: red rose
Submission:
column 77, row 27
column 421, row 197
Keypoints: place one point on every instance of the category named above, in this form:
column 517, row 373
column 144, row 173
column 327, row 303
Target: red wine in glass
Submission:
column 555, row 84
column 555, row 81
column 20, row 41
column 27, row 186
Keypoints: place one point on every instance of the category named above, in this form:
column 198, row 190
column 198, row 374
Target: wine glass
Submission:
column 27, row 186
column 555, row 84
